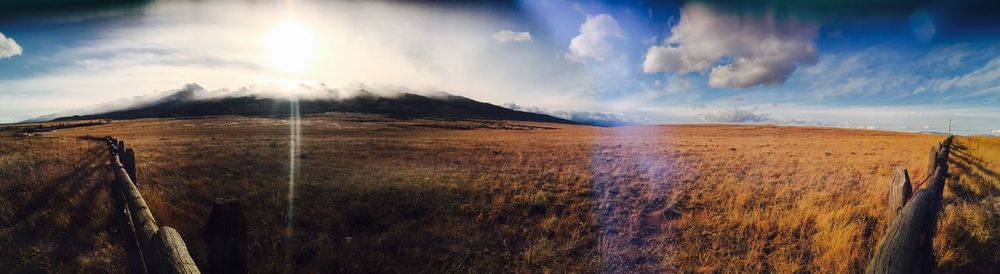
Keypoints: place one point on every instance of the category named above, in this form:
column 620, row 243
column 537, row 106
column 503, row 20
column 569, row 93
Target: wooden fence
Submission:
column 150, row 248
column 906, row 245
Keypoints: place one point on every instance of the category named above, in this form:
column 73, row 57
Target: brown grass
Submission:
column 54, row 208
column 969, row 224
column 379, row 195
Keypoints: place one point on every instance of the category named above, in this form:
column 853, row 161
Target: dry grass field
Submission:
column 55, row 211
column 970, row 219
column 380, row 195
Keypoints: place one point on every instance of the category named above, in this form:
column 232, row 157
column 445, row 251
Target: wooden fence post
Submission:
column 162, row 247
column 937, row 182
column 129, row 162
column 932, row 159
column 899, row 192
column 133, row 252
column 171, row 253
column 226, row 238
column 906, row 247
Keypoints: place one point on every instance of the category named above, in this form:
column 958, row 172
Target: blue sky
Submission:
column 911, row 66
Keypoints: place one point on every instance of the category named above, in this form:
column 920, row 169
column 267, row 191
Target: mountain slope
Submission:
column 185, row 104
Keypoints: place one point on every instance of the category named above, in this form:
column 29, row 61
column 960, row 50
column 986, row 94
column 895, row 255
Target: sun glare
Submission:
column 290, row 46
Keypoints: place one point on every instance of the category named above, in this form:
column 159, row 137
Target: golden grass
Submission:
column 969, row 224
column 54, row 208
column 379, row 195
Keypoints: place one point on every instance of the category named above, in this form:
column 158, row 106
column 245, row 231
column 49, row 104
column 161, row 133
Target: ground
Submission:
column 374, row 194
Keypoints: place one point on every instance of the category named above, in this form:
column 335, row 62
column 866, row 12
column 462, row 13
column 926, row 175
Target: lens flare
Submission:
column 294, row 140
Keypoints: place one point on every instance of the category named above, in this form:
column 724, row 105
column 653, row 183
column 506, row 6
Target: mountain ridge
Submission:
column 184, row 103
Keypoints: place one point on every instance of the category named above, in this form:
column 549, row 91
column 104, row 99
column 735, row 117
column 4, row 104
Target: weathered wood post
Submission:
column 162, row 247
column 937, row 182
column 899, row 192
column 128, row 159
column 945, row 151
column 170, row 253
column 225, row 235
column 133, row 251
column 932, row 159
column 906, row 247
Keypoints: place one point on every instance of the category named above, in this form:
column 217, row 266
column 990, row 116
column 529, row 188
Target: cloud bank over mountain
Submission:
column 586, row 117
column 735, row 116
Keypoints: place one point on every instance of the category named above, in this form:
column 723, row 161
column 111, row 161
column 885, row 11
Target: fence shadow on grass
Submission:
column 65, row 221
column 980, row 181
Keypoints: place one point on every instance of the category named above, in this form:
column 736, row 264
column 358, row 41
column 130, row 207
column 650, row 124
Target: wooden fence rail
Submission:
column 150, row 248
column 906, row 246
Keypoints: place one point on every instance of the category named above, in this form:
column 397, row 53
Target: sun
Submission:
column 290, row 46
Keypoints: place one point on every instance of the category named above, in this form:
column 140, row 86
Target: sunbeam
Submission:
column 294, row 139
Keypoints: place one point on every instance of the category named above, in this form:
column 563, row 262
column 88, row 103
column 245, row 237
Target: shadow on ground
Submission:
column 61, row 220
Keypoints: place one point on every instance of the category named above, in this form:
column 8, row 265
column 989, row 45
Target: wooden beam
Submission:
column 142, row 218
column 906, row 247
column 162, row 247
column 133, row 250
column 171, row 254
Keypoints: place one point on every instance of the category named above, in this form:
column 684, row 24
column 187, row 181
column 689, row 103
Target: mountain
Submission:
column 185, row 103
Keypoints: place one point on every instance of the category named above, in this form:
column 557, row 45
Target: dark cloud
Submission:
column 14, row 9
column 955, row 17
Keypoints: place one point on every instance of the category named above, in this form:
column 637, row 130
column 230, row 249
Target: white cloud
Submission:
column 735, row 116
column 985, row 75
column 995, row 131
column 963, row 71
column 672, row 84
column 507, row 36
column 586, row 117
column 764, row 50
column 8, row 47
column 215, row 46
column 595, row 37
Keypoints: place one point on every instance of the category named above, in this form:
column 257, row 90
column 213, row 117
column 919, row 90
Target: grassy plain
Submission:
column 970, row 218
column 375, row 194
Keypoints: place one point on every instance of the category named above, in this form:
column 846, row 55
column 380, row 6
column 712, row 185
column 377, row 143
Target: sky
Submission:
column 896, row 65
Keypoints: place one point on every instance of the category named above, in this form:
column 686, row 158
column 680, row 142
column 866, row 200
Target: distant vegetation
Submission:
column 32, row 128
